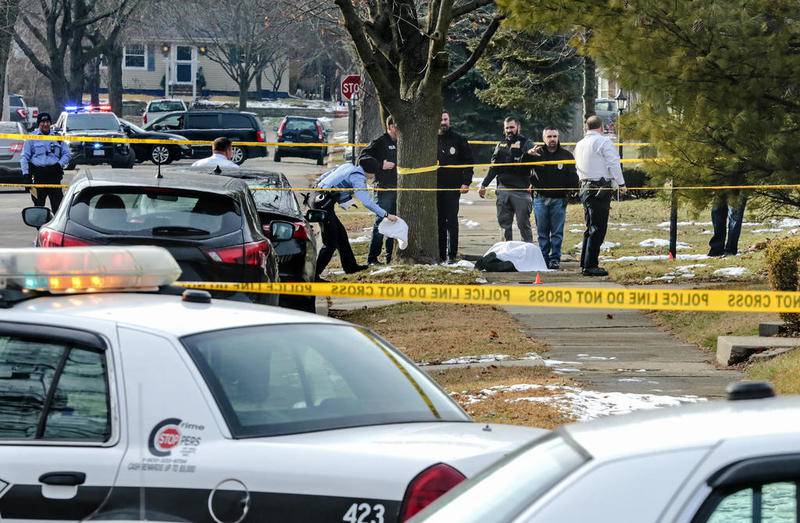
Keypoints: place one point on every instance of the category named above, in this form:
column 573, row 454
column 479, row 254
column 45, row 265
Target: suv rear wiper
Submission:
column 176, row 230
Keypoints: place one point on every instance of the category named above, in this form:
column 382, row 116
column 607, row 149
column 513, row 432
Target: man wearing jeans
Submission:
column 384, row 149
column 727, row 207
column 513, row 182
column 550, row 206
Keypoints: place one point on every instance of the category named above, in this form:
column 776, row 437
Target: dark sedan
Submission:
column 275, row 201
column 209, row 224
column 163, row 154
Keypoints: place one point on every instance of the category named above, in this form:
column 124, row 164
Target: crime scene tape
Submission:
column 538, row 296
column 430, row 168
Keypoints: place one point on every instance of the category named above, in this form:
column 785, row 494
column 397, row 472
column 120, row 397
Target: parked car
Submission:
column 606, row 108
column 121, row 402
column 210, row 125
column 11, row 153
column 20, row 112
column 157, row 153
column 158, row 108
column 300, row 129
column 208, row 223
column 722, row 462
column 297, row 258
column 94, row 121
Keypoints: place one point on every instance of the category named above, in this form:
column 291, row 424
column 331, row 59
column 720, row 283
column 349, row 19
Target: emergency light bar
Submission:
column 103, row 108
column 87, row 269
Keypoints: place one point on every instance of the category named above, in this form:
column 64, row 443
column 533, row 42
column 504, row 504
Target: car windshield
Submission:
column 92, row 122
column 287, row 379
column 152, row 211
column 134, row 127
column 266, row 194
column 510, row 486
column 166, row 106
column 15, row 100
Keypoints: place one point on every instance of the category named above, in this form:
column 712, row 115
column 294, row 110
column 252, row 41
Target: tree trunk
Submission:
column 114, row 57
column 9, row 18
column 370, row 116
column 259, row 80
column 244, row 86
column 589, row 87
column 94, row 81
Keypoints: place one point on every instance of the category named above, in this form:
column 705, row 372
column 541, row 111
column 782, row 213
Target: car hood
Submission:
column 110, row 134
column 372, row 462
column 162, row 136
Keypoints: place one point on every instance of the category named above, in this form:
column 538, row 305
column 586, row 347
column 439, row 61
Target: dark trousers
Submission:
column 334, row 237
column 596, row 206
column 447, row 210
column 51, row 174
column 387, row 200
column 727, row 214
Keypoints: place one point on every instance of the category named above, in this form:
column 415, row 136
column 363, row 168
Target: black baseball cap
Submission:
column 42, row 117
column 369, row 164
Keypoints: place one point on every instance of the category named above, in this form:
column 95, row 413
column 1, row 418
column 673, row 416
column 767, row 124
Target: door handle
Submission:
column 63, row 478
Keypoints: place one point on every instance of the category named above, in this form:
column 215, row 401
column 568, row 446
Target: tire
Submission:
column 160, row 154
column 239, row 155
column 277, row 157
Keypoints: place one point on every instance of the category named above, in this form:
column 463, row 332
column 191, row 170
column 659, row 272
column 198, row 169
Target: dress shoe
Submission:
column 357, row 268
column 595, row 271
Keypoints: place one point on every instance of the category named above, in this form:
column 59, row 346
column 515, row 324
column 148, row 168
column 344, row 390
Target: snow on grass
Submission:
column 660, row 242
column 731, row 271
column 481, row 280
column 469, row 224
column 683, row 271
column 605, row 246
column 384, row 270
column 595, row 358
column 483, row 358
column 361, row 239
column 576, row 231
column 656, row 257
column 787, row 223
column 682, row 224
column 464, row 201
column 460, row 263
column 762, row 231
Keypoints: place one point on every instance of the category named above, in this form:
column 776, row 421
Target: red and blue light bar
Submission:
column 102, row 108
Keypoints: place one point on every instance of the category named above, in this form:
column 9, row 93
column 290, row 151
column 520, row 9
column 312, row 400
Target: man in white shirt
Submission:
column 222, row 152
column 600, row 173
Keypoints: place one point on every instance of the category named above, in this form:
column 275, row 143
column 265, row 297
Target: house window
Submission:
column 135, row 56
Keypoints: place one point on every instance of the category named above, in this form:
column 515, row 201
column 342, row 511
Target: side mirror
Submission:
column 316, row 215
column 280, row 231
column 36, row 216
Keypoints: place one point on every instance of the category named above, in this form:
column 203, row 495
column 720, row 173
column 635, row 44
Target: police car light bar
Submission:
column 104, row 108
column 87, row 269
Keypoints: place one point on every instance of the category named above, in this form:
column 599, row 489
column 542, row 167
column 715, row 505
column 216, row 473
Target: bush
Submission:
column 637, row 178
column 783, row 265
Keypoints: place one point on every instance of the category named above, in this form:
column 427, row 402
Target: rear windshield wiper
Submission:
column 173, row 230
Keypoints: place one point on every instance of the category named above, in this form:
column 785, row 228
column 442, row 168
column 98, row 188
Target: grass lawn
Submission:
column 783, row 372
column 703, row 328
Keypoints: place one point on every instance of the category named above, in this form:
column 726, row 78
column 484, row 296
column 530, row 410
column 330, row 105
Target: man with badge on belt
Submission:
column 452, row 183
column 600, row 174
column 44, row 161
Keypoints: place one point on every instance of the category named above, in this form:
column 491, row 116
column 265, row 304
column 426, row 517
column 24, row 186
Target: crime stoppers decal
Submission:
column 164, row 437
column 172, row 444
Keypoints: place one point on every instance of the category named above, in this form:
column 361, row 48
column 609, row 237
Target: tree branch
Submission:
column 468, row 7
column 38, row 64
column 476, row 53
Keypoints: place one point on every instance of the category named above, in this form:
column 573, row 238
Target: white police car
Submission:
column 731, row 462
column 120, row 402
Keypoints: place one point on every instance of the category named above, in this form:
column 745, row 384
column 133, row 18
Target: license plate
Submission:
column 99, row 152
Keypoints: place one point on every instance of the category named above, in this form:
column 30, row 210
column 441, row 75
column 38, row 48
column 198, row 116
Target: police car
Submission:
column 94, row 121
column 724, row 462
column 124, row 398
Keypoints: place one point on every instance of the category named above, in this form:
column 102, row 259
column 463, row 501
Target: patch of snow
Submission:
column 381, row 271
column 463, row 201
column 621, row 224
column 361, row 239
column 657, row 257
column 639, row 229
column 466, row 264
column 565, row 370
column 469, row 224
column 731, row 271
column 751, row 224
column 457, row 271
column 576, row 231
column 595, row 358
column 787, row 223
column 483, row 358
column 481, row 280
column 757, row 231
column 556, row 363
column 605, row 246
column 682, row 224
column 660, row 242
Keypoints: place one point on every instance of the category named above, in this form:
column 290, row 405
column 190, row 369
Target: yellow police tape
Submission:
column 536, row 296
column 430, row 168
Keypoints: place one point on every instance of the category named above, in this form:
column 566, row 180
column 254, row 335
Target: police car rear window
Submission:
column 152, row 211
column 288, row 379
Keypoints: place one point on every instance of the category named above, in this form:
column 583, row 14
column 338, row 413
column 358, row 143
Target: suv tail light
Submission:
column 260, row 136
column 15, row 147
column 427, row 487
column 22, row 113
column 319, row 131
column 281, row 127
column 51, row 238
column 301, row 231
column 144, row 118
column 247, row 254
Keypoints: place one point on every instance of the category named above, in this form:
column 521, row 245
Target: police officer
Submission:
column 599, row 172
column 513, row 183
column 384, row 149
column 44, row 161
column 453, row 150
column 348, row 180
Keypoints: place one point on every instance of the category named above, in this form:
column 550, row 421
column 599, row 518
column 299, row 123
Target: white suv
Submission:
column 156, row 108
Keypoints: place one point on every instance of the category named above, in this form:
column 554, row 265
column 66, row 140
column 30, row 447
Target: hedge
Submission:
column 783, row 265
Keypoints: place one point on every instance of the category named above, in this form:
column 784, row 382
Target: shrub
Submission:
column 637, row 178
column 783, row 261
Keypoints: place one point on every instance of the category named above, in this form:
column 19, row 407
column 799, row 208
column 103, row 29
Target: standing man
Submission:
column 221, row 154
column 347, row 180
column 384, row 150
column 44, row 161
column 600, row 173
column 727, row 214
column 513, row 183
column 453, row 150
column 549, row 206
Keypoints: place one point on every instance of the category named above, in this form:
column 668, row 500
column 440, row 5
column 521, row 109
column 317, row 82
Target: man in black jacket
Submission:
column 549, row 206
column 384, row 149
column 453, row 150
column 513, row 183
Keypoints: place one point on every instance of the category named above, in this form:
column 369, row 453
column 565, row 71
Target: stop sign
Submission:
column 350, row 86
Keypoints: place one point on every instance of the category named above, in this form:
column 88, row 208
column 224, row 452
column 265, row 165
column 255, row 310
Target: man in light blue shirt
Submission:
column 345, row 181
column 44, row 161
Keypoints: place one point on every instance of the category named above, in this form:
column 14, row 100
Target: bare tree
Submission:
column 9, row 9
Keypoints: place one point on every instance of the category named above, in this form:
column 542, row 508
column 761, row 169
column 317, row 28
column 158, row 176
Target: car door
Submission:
column 61, row 440
column 202, row 126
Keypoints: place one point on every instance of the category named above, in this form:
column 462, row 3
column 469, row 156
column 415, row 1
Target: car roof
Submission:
column 162, row 312
column 698, row 425
column 166, row 100
column 173, row 178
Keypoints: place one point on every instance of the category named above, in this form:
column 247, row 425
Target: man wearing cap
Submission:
column 44, row 161
column 339, row 186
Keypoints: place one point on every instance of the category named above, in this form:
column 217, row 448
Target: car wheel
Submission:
column 159, row 154
column 277, row 157
column 238, row 155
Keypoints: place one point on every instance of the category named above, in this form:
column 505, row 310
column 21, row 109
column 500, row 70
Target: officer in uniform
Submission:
column 599, row 172
column 347, row 180
column 453, row 150
column 384, row 149
column 513, row 183
column 44, row 161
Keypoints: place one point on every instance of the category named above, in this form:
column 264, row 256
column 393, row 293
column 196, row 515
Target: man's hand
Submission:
column 387, row 165
column 623, row 189
column 530, row 189
column 464, row 189
column 391, row 217
column 482, row 192
column 535, row 151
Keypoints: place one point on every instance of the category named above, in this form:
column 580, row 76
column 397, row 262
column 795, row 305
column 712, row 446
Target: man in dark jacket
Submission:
column 550, row 207
column 453, row 150
column 384, row 150
column 513, row 183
